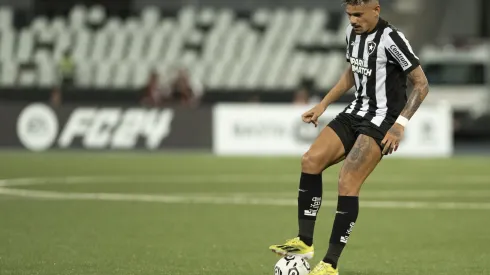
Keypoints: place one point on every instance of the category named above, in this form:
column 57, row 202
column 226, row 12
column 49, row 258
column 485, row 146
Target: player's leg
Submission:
column 328, row 149
column 358, row 165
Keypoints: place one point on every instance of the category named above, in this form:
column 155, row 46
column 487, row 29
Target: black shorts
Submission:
column 348, row 127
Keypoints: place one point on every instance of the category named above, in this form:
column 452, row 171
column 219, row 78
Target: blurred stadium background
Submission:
column 163, row 137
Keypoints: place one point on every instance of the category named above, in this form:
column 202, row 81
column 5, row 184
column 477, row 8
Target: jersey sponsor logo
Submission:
column 311, row 213
column 116, row 128
column 360, row 66
column 371, row 47
column 400, row 57
column 345, row 239
column 314, row 207
column 351, row 227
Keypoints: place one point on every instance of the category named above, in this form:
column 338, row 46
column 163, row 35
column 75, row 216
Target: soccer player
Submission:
column 381, row 59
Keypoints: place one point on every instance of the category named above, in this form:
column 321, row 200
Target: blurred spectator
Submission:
column 55, row 99
column 66, row 71
column 180, row 89
column 186, row 90
column 65, row 77
column 255, row 98
column 303, row 96
column 155, row 91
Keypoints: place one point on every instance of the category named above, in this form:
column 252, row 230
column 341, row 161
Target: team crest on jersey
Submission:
column 371, row 47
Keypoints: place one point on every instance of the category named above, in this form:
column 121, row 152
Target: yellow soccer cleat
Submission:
column 324, row 269
column 294, row 247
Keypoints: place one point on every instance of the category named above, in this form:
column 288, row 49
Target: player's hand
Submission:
column 392, row 139
column 313, row 114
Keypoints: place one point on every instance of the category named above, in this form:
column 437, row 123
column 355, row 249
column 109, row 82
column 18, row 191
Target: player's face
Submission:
column 364, row 17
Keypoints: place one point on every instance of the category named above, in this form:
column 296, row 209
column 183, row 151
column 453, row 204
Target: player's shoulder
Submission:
column 391, row 30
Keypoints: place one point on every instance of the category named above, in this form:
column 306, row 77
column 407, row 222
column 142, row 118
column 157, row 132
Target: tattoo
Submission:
column 360, row 162
column 420, row 91
column 358, row 154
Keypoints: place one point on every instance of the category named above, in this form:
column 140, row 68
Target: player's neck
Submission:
column 373, row 27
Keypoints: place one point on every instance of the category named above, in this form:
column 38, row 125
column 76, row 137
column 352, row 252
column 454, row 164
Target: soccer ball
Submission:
column 292, row 265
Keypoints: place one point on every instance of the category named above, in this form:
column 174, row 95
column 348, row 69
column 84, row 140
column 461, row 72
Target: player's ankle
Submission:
column 331, row 262
column 307, row 240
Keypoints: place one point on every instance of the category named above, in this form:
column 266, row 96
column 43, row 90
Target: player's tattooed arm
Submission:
column 420, row 91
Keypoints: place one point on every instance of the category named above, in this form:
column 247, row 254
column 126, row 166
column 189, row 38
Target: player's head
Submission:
column 363, row 14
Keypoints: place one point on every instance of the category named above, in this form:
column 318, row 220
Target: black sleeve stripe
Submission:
column 403, row 46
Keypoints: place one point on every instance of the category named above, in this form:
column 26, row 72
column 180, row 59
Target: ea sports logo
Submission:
column 37, row 127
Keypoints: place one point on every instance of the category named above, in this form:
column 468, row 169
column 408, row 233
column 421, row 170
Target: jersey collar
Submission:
column 379, row 25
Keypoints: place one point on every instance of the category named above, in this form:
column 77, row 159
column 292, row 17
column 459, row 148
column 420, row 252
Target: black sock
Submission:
column 345, row 219
column 309, row 202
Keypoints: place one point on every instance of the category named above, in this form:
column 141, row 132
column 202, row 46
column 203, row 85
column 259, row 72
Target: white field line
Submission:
column 238, row 179
column 174, row 199
column 228, row 199
column 412, row 193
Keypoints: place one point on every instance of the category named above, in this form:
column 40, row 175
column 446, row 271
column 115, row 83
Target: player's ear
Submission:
column 377, row 10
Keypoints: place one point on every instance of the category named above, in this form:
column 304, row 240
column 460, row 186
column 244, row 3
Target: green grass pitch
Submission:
column 190, row 214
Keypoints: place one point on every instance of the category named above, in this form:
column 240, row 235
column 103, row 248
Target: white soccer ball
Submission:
column 292, row 265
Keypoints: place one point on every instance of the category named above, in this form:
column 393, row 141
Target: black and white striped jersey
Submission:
column 380, row 60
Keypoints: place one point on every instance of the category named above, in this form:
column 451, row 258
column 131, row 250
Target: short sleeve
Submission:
column 400, row 50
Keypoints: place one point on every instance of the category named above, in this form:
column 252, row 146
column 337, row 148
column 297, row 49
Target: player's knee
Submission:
column 348, row 186
column 311, row 163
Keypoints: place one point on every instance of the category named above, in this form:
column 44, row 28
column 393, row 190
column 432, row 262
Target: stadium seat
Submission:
column 103, row 72
column 96, row 15
column 40, row 25
column 25, row 46
column 8, row 73
column 141, row 72
column 113, row 25
column 122, row 75
column 154, row 47
column 77, row 18
column 45, row 69
column 99, row 46
column 150, row 16
column 119, row 43
column 6, row 18
column 136, row 47
column 85, row 72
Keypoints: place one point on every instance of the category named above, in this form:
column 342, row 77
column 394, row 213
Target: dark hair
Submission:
column 356, row 2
